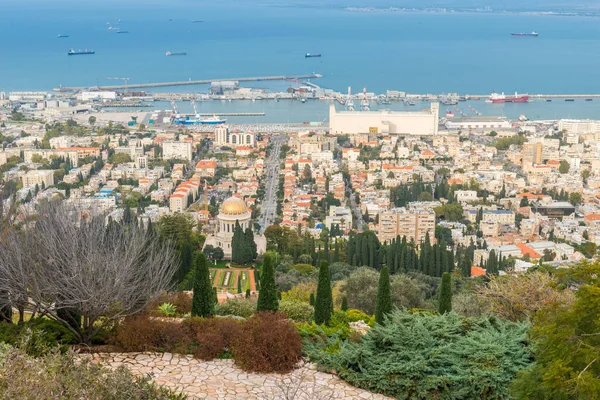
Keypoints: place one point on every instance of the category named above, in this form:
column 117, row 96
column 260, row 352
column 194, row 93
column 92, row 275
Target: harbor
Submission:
column 185, row 83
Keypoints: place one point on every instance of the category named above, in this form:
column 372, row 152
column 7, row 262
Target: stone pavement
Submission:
column 221, row 379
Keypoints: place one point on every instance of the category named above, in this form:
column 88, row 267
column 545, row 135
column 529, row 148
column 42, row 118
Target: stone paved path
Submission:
column 221, row 379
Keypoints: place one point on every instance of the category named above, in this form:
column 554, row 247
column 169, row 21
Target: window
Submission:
column 248, row 139
column 234, row 139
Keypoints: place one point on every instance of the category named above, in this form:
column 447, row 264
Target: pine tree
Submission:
column 344, row 303
column 267, row 296
column 324, row 298
column 445, row 304
column 384, row 297
column 203, row 304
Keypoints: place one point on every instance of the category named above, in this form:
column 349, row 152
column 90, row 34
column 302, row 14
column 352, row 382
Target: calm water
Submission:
column 419, row 53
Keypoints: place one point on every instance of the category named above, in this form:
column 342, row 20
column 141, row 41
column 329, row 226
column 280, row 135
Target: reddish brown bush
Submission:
column 267, row 342
column 212, row 336
column 143, row 333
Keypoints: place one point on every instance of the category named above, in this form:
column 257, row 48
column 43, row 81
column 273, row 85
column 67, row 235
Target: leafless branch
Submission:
column 65, row 260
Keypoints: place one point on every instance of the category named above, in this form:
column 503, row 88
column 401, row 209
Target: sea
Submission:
column 415, row 52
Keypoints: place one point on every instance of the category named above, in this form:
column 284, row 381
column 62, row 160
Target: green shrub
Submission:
column 42, row 330
column 355, row 315
column 167, row 309
column 237, row 307
column 296, row 310
column 267, row 343
column 304, row 269
column 424, row 356
column 59, row 375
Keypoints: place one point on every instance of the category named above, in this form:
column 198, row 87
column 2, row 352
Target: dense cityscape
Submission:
column 205, row 205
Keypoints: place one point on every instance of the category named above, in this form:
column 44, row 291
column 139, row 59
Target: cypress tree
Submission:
column 203, row 302
column 215, row 296
column 324, row 298
column 127, row 217
column 445, row 304
column 250, row 246
column 247, row 293
column 267, row 296
column 344, row 303
column 466, row 267
column 384, row 297
column 311, row 299
column 238, row 244
column 239, row 283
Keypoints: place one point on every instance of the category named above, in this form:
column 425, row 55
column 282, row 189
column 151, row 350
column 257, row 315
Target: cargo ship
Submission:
column 308, row 55
column 62, row 36
column 502, row 98
column 80, row 52
column 176, row 54
column 532, row 34
column 122, row 31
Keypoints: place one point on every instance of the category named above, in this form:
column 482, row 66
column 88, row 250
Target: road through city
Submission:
column 269, row 205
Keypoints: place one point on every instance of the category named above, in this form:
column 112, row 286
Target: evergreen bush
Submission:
column 432, row 357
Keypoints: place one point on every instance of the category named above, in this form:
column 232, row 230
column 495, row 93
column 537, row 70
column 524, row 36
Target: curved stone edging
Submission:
column 221, row 379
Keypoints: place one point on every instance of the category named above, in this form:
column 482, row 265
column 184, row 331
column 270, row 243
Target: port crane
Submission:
column 365, row 103
column 349, row 102
column 175, row 110
column 125, row 82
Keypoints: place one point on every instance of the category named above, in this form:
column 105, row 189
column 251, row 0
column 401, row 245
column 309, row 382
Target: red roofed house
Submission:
column 528, row 250
column 206, row 167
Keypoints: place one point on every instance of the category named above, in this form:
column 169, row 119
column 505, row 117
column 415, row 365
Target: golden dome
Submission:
column 234, row 206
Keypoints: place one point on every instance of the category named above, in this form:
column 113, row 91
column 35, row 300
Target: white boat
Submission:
column 214, row 120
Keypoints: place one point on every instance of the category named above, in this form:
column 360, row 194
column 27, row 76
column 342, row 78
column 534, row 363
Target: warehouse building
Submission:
column 421, row 123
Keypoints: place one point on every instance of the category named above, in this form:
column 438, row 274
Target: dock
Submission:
column 229, row 114
column 187, row 83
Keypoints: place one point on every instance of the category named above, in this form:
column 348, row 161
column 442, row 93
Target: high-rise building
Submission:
column 532, row 154
column 412, row 223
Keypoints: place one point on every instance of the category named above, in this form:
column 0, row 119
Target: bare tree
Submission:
column 76, row 265
column 301, row 384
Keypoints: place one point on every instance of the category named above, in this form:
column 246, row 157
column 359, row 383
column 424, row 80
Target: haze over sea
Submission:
column 414, row 52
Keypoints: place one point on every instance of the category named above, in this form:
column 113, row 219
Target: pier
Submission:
column 187, row 83
column 230, row 114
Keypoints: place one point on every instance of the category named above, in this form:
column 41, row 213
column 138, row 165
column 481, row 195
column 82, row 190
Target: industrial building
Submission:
column 472, row 123
column 421, row 123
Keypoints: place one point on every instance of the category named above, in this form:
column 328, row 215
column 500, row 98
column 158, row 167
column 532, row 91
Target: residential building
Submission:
column 223, row 137
column 532, row 154
column 41, row 177
column 177, row 150
column 341, row 216
column 413, row 223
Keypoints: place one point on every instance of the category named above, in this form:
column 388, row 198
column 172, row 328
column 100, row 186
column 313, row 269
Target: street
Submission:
column 268, row 210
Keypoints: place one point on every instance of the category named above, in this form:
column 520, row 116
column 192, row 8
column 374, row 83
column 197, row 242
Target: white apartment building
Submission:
column 579, row 126
column 40, row 177
column 224, row 137
column 177, row 150
column 341, row 216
